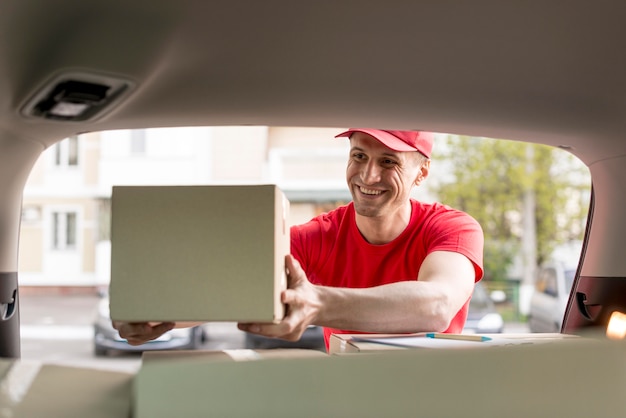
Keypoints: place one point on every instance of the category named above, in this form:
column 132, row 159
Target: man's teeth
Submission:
column 368, row 191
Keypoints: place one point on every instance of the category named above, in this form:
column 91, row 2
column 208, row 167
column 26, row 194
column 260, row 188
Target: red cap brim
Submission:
column 383, row 137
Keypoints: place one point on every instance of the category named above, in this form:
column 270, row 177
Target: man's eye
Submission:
column 388, row 162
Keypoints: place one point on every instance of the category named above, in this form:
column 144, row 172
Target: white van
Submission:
column 549, row 300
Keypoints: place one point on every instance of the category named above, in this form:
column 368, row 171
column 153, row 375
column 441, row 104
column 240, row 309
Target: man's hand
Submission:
column 137, row 333
column 303, row 305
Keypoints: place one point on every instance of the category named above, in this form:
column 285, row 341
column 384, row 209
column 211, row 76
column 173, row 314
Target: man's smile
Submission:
column 371, row 192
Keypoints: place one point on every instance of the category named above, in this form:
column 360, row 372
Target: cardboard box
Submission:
column 532, row 380
column 32, row 389
column 198, row 253
column 374, row 343
column 145, row 387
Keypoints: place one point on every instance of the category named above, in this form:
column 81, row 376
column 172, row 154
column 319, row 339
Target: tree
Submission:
column 492, row 180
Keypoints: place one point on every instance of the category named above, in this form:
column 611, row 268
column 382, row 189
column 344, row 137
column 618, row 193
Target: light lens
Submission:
column 616, row 329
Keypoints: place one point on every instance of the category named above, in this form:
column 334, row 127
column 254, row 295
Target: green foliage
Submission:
column 490, row 178
column 498, row 256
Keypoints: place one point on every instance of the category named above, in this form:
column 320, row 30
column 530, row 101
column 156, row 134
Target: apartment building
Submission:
column 64, row 237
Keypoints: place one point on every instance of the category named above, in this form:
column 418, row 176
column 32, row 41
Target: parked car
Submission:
column 482, row 316
column 106, row 339
column 313, row 338
column 549, row 299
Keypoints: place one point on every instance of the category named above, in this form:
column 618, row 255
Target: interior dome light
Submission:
column 77, row 96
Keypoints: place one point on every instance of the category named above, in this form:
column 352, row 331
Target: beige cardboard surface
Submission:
column 51, row 391
column 543, row 380
column 5, row 366
column 14, row 383
column 198, row 253
column 182, row 356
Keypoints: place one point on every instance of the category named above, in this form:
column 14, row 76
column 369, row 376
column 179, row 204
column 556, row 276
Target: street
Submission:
column 57, row 329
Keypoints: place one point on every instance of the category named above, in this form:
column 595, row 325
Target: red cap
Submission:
column 398, row 140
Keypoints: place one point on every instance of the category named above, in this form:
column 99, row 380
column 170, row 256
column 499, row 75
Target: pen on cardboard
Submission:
column 463, row 337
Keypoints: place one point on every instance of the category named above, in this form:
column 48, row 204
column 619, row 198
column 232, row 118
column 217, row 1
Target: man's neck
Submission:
column 383, row 229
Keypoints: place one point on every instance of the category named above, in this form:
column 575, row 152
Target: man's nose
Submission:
column 370, row 173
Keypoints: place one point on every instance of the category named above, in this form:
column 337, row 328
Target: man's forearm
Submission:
column 409, row 306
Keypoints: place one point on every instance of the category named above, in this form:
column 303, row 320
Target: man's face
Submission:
column 380, row 179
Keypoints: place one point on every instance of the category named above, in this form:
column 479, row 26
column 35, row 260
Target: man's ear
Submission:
column 423, row 172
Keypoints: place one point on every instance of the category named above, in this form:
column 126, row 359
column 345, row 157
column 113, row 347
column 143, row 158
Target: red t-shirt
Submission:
column 333, row 252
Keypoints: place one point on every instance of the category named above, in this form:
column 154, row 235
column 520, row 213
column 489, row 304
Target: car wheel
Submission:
column 197, row 338
column 100, row 351
column 252, row 342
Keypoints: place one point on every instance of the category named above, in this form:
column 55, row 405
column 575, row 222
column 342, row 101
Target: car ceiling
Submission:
column 545, row 72
column 535, row 71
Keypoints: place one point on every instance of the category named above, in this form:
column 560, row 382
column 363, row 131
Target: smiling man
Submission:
column 384, row 263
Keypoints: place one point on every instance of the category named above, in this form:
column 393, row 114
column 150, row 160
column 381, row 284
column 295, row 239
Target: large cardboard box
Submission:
column 150, row 380
column 198, row 253
column 525, row 380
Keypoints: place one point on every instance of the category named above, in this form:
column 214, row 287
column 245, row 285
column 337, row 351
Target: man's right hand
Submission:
column 137, row 333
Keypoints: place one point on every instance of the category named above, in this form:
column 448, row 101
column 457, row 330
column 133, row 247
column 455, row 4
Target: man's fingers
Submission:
column 268, row 330
column 289, row 297
column 137, row 333
column 163, row 327
column 280, row 330
column 292, row 265
column 253, row 328
column 295, row 275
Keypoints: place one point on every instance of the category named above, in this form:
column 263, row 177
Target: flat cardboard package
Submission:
column 349, row 343
column 528, row 380
column 373, row 343
column 198, row 253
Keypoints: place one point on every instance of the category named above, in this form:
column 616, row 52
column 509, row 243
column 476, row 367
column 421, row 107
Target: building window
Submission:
column 66, row 152
column 138, row 141
column 64, row 230
column 30, row 213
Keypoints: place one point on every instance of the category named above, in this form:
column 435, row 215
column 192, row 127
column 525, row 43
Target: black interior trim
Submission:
column 9, row 316
column 575, row 299
column 593, row 302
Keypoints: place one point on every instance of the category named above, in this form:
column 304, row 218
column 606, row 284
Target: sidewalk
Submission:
column 72, row 315
column 516, row 328
column 58, row 309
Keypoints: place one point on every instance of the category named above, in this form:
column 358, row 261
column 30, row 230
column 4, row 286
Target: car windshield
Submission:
column 569, row 278
column 480, row 300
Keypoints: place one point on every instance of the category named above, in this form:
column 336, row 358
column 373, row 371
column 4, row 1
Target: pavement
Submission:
column 516, row 328
column 58, row 329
